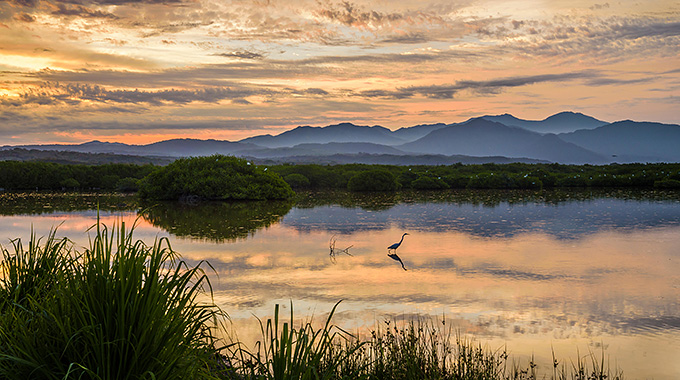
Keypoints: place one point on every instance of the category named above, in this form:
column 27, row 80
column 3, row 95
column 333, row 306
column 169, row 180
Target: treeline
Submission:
column 355, row 177
column 16, row 175
column 74, row 158
column 358, row 177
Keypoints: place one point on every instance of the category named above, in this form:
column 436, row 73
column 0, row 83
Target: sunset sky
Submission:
column 142, row 71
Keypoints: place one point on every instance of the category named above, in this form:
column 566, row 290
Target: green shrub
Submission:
column 127, row 185
column 429, row 183
column 70, row 183
column 667, row 184
column 297, row 180
column 214, row 178
column 373, row 180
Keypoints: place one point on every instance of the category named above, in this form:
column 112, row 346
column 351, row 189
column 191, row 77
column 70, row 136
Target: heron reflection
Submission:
column 394, row 256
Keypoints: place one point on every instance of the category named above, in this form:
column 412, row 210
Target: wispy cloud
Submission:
column 481, row 87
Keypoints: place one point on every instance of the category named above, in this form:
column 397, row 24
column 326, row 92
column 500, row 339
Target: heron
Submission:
column 396, row 245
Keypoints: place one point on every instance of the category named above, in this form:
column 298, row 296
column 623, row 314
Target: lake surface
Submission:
column 561, row 270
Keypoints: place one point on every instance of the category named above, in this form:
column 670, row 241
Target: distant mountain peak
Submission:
column 572, row 116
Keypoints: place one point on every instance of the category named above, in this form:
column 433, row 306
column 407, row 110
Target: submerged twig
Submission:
column 335, row 251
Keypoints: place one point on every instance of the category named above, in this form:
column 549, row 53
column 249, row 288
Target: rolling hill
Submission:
column 344, row 132
column 500, row 138
column 630, row 141
column 562, row 122
column 480, row 137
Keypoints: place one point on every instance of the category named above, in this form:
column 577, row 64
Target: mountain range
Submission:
column 566, row 137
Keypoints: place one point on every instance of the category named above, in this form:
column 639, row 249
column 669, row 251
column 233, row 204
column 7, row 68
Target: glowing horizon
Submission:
column 144, row 71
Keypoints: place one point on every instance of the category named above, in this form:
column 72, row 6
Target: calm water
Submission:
column 582, row 270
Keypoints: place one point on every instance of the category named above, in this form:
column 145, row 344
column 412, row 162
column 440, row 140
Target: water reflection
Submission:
column 216, row 221
column 534, row 270
column 394, row 256
column 37, row 203
column 563, row 214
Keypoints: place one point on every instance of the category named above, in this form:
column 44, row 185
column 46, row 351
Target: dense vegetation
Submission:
column 68, row 157
column 16, row 175
column 484, row 176
column 214, row 178
column 223, row 178
column 125, row 310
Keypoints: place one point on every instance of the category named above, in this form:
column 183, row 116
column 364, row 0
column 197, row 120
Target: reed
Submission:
column 415, row 349
column 118, row 310
column 305, row 352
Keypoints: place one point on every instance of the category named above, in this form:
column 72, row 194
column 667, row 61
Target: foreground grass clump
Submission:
column 286, row 352
column 118, row 310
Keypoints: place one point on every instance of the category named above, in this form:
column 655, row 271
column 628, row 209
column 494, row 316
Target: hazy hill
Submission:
column 167, row 148
column 481, row 137
column 417, row 131
column 562, row 122
column 195, row 147
column 503, row 136
column 328, row 149
column 391, row 159
column 631, row 141
column 64, row 157
column 550, row 147
column 345, row 132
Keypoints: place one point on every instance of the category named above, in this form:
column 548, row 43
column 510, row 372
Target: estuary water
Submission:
column 535, row 272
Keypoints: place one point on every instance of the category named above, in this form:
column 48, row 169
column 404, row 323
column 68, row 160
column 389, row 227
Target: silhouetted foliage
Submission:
column 373, row 180
column 215, row 177
column 297, row 180
column 187, row 177
column 429, row 183
column 16, row 175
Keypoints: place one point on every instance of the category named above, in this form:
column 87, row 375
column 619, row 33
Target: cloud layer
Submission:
column 240, row 67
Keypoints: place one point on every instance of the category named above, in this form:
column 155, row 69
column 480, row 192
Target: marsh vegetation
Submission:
column 124, row 310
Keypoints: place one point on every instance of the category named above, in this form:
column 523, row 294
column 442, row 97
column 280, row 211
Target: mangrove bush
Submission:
column 214, row 177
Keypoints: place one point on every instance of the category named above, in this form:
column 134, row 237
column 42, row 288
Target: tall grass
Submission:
column 416, row 349
column 305, row 352
column 118, row 310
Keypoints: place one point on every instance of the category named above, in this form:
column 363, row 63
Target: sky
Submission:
column 140, row 71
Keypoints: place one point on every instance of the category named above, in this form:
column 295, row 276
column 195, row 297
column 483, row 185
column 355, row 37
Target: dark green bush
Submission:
column 667, row 184
column 127, row 185
column 373, row 180
column 70, row 183
column 214, row 178
column 429, row 183
column 296, row 180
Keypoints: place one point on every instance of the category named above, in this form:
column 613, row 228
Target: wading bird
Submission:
column 396, row 245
